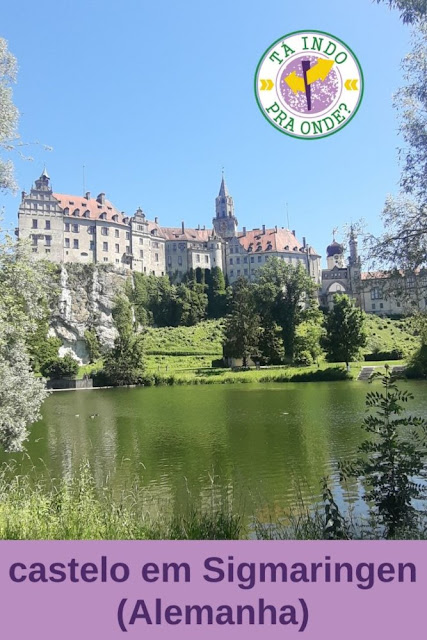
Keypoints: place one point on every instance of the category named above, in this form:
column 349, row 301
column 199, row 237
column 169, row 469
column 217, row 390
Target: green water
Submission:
column 262, row 444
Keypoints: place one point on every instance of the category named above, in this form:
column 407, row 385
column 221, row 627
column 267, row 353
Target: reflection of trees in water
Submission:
column 261, row 447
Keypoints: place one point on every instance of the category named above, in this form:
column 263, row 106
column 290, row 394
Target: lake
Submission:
column 263, row 445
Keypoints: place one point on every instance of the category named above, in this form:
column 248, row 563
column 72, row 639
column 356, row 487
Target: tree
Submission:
column 271, row 343
column 242, row 327
column 391, row 462
column 217, row 295
column 345, row 333
column 124, row 364
column 23, row 291
column 8, row 116
column 284, row 292
column 411, row 11
column 404, row 241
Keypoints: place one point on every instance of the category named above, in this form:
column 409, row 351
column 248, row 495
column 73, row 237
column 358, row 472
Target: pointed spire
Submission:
column 45, row 174
column 223, row 190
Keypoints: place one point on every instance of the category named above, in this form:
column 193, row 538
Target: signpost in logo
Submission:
column 309, row 84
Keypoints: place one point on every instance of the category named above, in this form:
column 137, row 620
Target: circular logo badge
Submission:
column 309, row 84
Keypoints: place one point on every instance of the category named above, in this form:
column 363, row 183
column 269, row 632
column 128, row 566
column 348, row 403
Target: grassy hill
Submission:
column 172, row 349
column 385, row 335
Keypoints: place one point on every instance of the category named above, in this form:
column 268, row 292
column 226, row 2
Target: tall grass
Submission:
column 75, row 509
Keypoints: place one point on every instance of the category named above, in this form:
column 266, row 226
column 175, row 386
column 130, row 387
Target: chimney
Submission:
column 293, row 232
column 183, row 227
column 204, row 227
column 303, row 241
column 244, row 231
column 87, row 195
column 101, row 198
column 198, row 227
column 263, row 228
column 156, row 220
column 275, row 228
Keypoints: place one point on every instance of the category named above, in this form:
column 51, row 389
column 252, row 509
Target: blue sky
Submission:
column 154, row 98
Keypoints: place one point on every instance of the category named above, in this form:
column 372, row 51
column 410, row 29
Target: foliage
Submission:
column 271, row 343
column 404, row 241
column 283, row 292
column 8, row 116
column 124, row 364
column 411, row 11
column 93, row 345
column 216, row 292
column 308, row 336
column 377, row 356
column 190, row 304
column 23, row 293
column 345, row 332
column 58, row 368
column 41, row 349
column 75, row 509
column 391, row 462
column 242, row 327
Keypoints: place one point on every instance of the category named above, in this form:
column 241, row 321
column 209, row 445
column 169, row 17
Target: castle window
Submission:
column 35, row 224
column 381, row 305
column 252, row 258
column 141, row 254
column 75, row 244
column 128, row 249
column 91, row 245
column 238, row 260
column 141, row 241
column 373, row 306
column 231, row 249
column 156, row 257
column 105, row 246
column 67, row 227
column 115, row 217
column 105, row 259
column 117, row 248
column 75, row 228
column 66, row 211
column 34, row 249
column 174, row 247
column 259, row 258
column 67, row 243
column 91, row 230
column 180, row 260
column 206, row 259
column 231, row 260
column 198, row 257
column 47, row 225
column 246, row 272
column 103, row 216
column 232, row 272
column 117, row 233
column 238, row 272
column 76, row 212
column 104, row 231
column 48, row 241
column 376, row 293
column 245, row 259
column 34, row 240
column 86, row 213
column 127, row 235
column 169, row 260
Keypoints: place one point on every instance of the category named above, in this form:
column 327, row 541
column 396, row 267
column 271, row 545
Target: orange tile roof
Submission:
column 271, row 240
column 92, row 205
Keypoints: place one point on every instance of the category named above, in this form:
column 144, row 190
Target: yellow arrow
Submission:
column 351, row 84
column 320, row 71
column 295, row 82
column 266, row 85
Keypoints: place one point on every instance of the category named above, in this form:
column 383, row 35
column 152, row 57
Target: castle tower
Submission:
column 225, row 222
column 335, row 255
column 43, row 183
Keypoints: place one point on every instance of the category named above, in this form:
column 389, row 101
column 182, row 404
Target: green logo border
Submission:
column 261, row 108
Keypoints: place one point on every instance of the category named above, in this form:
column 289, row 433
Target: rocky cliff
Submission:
column 85, row 300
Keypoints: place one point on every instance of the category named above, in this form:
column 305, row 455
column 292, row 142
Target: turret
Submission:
column 225, row 222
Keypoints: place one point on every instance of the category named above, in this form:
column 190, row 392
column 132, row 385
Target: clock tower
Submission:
column 225, row 223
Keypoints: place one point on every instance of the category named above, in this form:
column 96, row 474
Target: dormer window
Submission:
column 287, row 247
column 76, row 213
column 103, row 216
column 66, row 211
column 116, row 217
column 269, row 246
column 86, row 214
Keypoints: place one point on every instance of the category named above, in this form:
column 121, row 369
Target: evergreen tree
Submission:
column 271, row 343
column 242, row 327
column 124, row 364
column 345, row 332
column 216, row 293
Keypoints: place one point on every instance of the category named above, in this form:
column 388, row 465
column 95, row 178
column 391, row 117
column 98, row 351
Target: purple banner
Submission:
column 310, row 590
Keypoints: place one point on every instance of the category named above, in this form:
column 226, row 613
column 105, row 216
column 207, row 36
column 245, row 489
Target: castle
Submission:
column 72, row 228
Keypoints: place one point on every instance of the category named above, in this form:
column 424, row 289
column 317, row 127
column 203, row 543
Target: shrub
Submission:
column 66, row 367
column 394, row 354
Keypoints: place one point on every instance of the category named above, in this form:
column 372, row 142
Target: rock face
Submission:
column 86, row 299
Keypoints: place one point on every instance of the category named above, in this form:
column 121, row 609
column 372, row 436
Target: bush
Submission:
column 303, row 358
column 66, row 367
column 394, row 354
